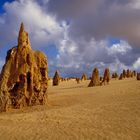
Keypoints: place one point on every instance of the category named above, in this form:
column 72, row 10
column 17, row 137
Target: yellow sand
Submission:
column 76, row 112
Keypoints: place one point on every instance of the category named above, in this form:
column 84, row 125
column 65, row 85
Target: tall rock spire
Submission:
column 23, row 39
column 21, row 27
column 24, row 77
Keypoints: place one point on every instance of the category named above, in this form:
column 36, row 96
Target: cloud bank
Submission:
column 81, row 31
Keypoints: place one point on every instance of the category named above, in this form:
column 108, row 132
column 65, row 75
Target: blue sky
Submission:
column 75, row 36
column 1, row 4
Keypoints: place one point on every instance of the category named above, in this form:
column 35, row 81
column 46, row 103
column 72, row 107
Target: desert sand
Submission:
column 78, row 112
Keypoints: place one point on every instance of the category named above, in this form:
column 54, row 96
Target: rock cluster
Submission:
column 127, row 74
column 115, row 75
column 24, row 77
column 56, row 79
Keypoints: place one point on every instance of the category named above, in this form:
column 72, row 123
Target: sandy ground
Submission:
column 76, row 112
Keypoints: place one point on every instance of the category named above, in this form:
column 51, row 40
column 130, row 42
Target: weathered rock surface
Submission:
column 56, row 79
column 24, row 77
column 121, row 76
column 106, row 77
column 138, row 76
column 95, row 80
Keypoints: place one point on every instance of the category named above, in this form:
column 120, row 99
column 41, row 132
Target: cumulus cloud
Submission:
column 136, row 64
column 42, row 27
column 79, row 31
column 134, row 4
column 101, row 18
column 120, row 48
column 80, row 56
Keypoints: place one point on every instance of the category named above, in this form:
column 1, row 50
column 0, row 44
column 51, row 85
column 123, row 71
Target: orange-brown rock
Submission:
column 56, row 79
column 121, row 76
column 115, row 75
column 78, row 80
column 84, row 77
column 95, row 80
column 124, row 74
column 62, row 79
column 101, row 78
column 24, row 77
column 128, row 73
column 138, row 76
column 134, row 73
column 106, row 77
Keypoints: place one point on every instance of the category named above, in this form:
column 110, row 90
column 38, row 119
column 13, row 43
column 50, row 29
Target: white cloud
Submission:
column 135, row 4
column 117, row 66
column 120, row 48
column 75, row 55
column 136, row 64
column 83, row 56
column 67, row 49
column 41, row 26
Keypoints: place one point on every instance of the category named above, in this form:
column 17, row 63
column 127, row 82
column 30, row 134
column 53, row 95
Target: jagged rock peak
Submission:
column 23, row 38
column 22, row 27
